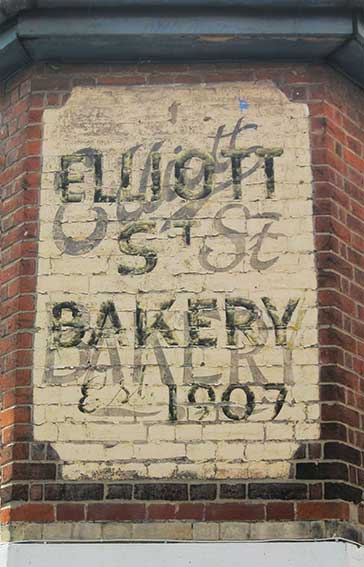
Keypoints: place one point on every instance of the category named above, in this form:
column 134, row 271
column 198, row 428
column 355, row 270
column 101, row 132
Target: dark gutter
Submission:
column 329, row 31
column 14, row 7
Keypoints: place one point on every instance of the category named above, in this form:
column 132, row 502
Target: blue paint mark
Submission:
column 243, row 104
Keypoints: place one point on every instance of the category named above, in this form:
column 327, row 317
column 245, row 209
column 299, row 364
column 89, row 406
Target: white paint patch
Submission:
column 180, row 338
column 270, row 554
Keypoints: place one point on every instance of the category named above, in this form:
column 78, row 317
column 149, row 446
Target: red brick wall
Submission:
column 326, row 476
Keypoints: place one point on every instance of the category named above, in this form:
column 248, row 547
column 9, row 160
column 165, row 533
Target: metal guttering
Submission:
column 13, row 7
column 159, row 30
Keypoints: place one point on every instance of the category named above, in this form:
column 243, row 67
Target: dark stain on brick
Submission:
column 161, row 492
column 38, row 451
column 278, row 491
column 15, row 492
column 333, row 450
column 233, row 491
column 203, row 491
column 119, row 491
column 322, row 471
column 72, row 492
column 343, row 491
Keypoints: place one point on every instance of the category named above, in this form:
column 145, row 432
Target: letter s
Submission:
column 125, row 246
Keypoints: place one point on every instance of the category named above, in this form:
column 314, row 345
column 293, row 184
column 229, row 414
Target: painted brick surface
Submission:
column 321, row 494
column 176, row 307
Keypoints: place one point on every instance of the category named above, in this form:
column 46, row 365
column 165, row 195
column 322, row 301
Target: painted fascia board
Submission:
column 340, row 30
column 11, row 8
column 193, row 23
column 349, row 59
column 12, row 53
